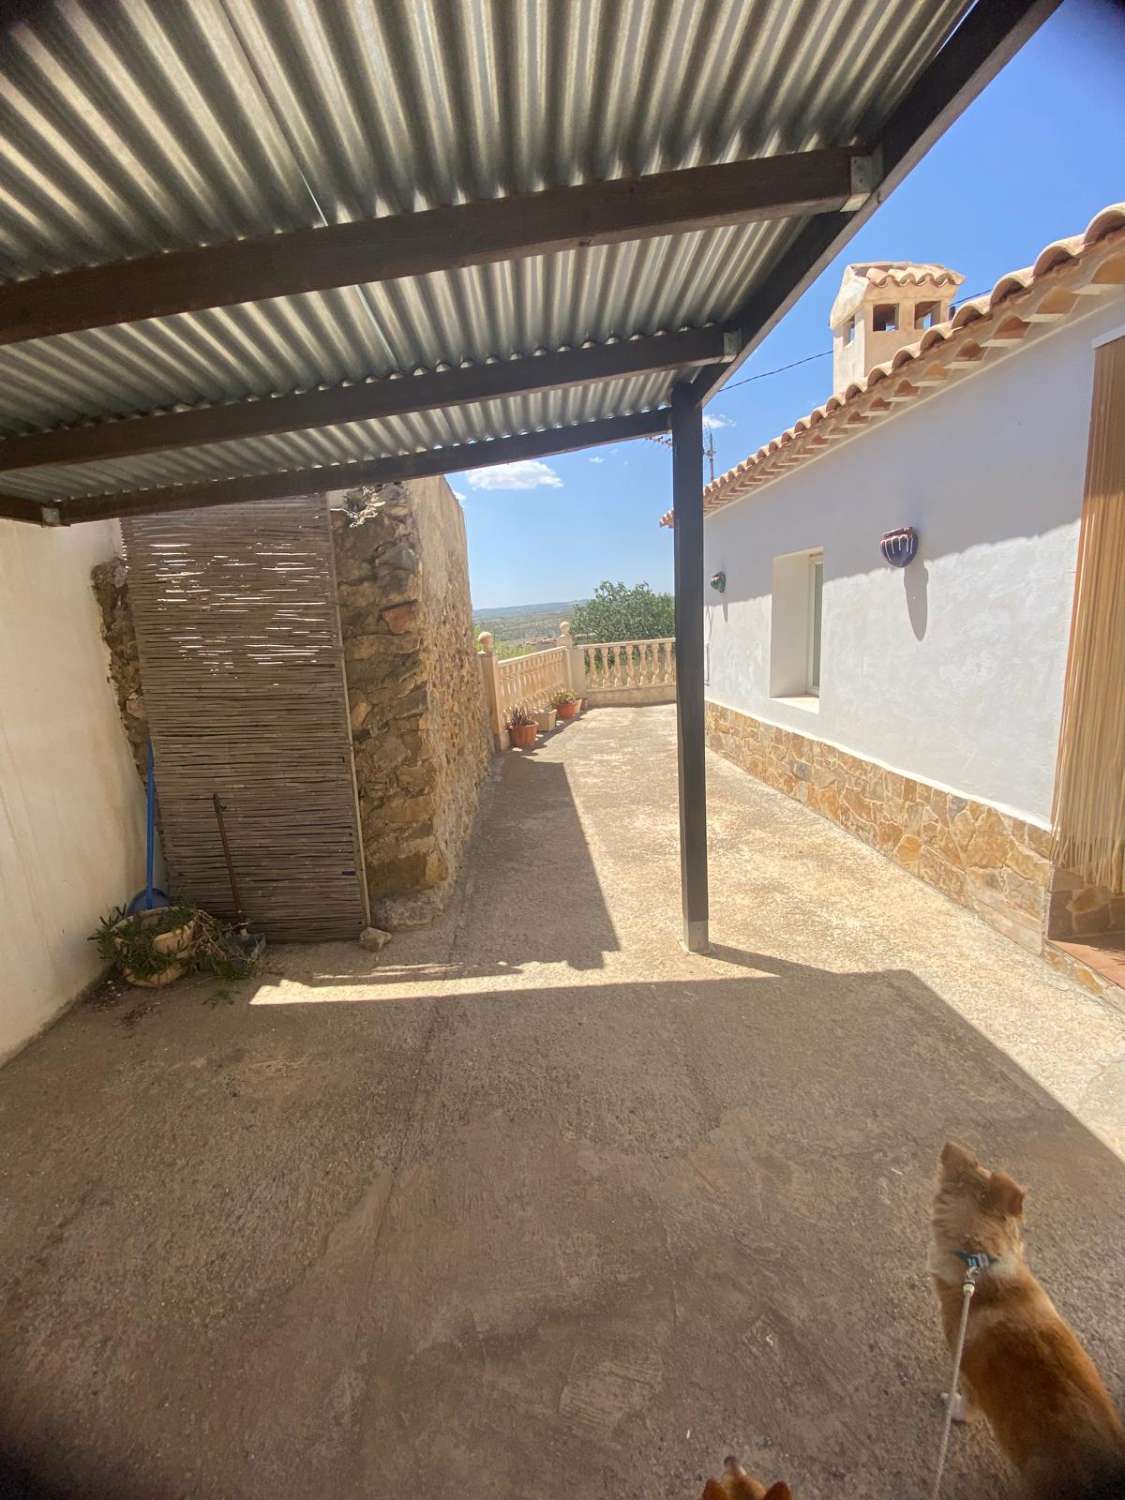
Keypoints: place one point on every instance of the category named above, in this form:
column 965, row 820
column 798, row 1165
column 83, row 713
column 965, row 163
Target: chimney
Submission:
column 881, row 307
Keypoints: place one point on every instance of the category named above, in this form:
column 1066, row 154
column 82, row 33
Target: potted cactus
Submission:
column 522, row 728
column 566, row 705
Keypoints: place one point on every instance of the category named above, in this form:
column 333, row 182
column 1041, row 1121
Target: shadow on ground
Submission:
column 352, row 1250
column 583, row 1229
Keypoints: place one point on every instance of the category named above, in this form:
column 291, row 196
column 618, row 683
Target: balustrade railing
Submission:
column 603, row 672
column 530, row 681
column 611, row 665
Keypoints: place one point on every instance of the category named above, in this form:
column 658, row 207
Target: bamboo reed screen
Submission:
column 242, row 675
column 1089, row 810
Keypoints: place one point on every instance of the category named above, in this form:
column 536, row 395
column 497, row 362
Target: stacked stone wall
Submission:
column 995, row 864
column 420, row 738
column 419, row 729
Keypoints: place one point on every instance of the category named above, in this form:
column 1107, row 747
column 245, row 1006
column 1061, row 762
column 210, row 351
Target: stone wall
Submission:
column 456, row 730
column 996, row 865
column 419, row 729
column 111, row 590
column 1079, row 910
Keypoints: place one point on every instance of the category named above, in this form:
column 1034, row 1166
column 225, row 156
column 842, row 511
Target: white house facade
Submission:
column 919, row 705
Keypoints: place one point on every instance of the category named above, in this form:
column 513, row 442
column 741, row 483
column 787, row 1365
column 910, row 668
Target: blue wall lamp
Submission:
column 719, row 582
column 899, row 547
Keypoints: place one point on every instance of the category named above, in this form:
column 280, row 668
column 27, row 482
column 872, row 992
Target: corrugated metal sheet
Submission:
column 328, row 445
column 130, row 126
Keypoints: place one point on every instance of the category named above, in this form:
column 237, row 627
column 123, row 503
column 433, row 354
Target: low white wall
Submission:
column 644, row 696
column 71, row 803
column 952, row 669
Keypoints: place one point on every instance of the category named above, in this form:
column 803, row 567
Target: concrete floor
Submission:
column 539, row 1204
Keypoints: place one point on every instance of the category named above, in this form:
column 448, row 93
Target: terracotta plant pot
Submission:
column 175, row 944
column 545, row 718
column 523, row 736
column 567, row 711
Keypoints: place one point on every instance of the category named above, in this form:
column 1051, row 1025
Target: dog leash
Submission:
column 974, row 1265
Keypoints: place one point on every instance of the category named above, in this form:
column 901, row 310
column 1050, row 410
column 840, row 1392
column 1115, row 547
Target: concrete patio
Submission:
column 538, row 1203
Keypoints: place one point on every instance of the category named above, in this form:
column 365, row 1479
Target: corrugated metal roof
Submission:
column 133, row 126
column 355, row 440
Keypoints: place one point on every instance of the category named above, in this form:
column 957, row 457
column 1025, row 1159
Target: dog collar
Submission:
column 977, row 1260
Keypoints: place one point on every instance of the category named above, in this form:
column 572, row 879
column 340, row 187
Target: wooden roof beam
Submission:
column 246, row 487
column 19, row 508
column 438, row 239
column 126, row 437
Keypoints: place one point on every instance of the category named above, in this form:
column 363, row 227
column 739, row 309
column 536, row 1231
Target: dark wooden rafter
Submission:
column 130, row 436
column 455, row 459
column 439, row 239
column 18, row 508
column 989, row 36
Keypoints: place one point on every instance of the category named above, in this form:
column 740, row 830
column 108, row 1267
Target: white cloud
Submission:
column 457, row 495
column 597, row 459
column 527, row 474
column 714, row 422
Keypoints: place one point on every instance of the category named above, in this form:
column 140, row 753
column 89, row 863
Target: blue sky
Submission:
column 1034, row 158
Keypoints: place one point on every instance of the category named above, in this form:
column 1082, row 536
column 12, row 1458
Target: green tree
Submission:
column 619, row 613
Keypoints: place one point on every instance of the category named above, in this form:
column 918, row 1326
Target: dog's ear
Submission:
column 1005, row 1195
column 735, row 1484
column 779, row 1491
column 957, row 1161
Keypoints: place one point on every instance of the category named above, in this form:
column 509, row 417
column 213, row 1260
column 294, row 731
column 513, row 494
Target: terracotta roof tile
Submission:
column 1021, row 306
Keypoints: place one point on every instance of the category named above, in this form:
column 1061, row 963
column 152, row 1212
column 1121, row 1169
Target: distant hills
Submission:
column 523, row 622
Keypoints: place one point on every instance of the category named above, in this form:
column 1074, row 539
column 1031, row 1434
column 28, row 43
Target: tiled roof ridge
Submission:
column 912, row 274
column 1044, row 293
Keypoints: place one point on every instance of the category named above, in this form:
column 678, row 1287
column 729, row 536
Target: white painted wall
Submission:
column 71, row 802
column 952, row 669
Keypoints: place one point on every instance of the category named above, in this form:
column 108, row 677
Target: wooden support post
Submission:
column 687, row 499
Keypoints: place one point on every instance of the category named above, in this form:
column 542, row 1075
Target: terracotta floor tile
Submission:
column 1104, row 952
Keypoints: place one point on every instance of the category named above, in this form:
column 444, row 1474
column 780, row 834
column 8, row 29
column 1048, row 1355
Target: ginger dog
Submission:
column 736, row 1484
column 1023, row 1366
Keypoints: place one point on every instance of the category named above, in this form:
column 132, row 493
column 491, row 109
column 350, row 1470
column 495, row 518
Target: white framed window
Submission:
column 816, row 611
column 796, row 627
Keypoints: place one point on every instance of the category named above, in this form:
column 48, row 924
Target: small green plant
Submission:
column 562, row 697
column 518, row 717
column 127, row 943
